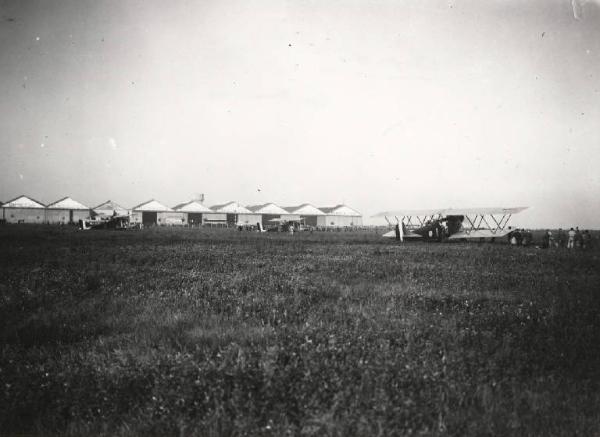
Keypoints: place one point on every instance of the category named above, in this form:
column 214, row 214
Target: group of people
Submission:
column 571, row 239
column 520, row 237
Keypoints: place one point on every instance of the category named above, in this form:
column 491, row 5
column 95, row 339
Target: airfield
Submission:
column 206, row 332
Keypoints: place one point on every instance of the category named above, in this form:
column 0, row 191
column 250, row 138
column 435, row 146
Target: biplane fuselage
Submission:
column 450, row 224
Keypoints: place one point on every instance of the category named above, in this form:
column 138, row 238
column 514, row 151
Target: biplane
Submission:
column 117, row 222
column 282, row 225
column 450, row 224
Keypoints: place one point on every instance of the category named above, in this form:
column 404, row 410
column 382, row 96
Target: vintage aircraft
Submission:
column 282, row 225
column 450, row 224
column 118, row 222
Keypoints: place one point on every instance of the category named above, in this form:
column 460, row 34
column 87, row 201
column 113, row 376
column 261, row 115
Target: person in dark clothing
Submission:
column 561, row 240
column 518, row 236
column 546, row 240
column 587, row 239
column 527, row 238
column 578, row 238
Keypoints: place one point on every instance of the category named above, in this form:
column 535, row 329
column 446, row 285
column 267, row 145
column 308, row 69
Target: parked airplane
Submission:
column 109, row 222
column 449, row 224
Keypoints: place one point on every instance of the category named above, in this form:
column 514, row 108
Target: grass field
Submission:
column 194, row 332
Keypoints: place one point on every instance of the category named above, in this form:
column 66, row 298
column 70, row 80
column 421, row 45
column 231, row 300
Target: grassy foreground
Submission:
column 193, row 332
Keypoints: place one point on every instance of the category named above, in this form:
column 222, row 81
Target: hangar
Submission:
column 339, row 216
column 66, row 211
column 307, row 212
column 108, row 209
column 195, row 214
column 153, row 213
column 23, row 209
column 236, row 214
column 270, row 211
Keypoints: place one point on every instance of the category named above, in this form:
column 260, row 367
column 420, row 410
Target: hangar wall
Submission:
column 66, row 216
column 24, row 215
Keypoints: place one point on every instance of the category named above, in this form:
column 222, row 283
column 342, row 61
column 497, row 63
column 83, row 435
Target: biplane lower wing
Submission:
column 478, row 234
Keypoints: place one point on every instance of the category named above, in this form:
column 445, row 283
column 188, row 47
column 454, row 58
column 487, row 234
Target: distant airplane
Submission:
column 118, row 222
column 449, row 224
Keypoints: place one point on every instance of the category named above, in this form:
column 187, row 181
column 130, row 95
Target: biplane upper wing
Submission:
column 410, row 213
column 484, row 211
column 450, row 211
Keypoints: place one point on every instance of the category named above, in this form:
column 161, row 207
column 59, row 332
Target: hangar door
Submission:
column 232, row 219
column 149, row 218
column 194, row 218
column 266, row 219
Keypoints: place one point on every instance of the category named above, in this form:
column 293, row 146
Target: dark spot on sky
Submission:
column 10, row 19
column 543, row 33
column 290, row 44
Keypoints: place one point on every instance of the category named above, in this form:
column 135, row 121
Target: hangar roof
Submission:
column 191, row 206
column 23, row 202
column 339, row 210
column 109, row 204
column 231, row 208
column 267, row 208
column 67, row 203
column 151, row 206
column 304, row 209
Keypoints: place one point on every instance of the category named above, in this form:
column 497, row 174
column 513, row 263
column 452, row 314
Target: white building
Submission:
column 23, row 209
column 270, row 212
column 196, row 214
column 308, row 213
column 339, row 216
column 66, row 211
column 153, row 213
column 236, row 214
column 109, row 209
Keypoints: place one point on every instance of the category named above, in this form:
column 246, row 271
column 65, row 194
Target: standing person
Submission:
column 546, row 240
column 587, row 239
column 518, row 236
column 550, row 239
column 578, row 238
column 571, row 241
column 560, row 242
column 524, row 237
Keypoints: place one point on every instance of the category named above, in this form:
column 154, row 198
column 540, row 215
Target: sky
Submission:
column 376, row 104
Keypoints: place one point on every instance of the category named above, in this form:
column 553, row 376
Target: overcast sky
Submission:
column 380, row 105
